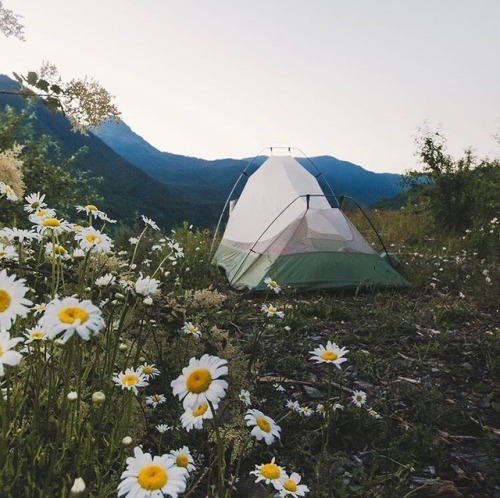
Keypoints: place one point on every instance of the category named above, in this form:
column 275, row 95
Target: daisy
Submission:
column 131, row 379
column 41, row 214
column 34, row 202
column 8, row 357
column 89, row 209
column 193, row 418
column 56, row 250
column 35, row 334
column 69, row 315
column 305, row 411
column 320, row 408
column 330, row 353
column 7, row 253
column 359, row 398
column 91, row 239
column 264, row 427
column 155, row 400
column 191, row 329
column 199, row 381
column 8, row 192
column 19, row 235
column 52, row 226
column 291, row 486
column 149, row 370
column 12, row 300
column 150, row 222
column 176, row 248
column 183, row 458
column 272, row 285
column 245, row 397
column 105, row 280
column 271, row 311
column 146, row 286
column 270, row 473
column 162, row 428
column 151, row 477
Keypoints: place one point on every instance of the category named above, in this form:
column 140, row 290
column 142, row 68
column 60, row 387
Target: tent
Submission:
column 284, row 227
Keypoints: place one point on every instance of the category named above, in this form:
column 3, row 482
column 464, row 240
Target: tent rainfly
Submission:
column 283, row 227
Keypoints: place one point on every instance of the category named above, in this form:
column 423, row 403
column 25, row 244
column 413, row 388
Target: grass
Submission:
column 427, row 357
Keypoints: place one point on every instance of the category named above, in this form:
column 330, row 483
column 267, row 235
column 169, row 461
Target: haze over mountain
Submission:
column 170, row 188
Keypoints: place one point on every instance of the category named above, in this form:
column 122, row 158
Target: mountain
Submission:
column 213, row 180
column 127, row 190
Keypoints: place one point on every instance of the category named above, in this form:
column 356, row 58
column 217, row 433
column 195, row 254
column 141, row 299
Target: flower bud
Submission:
column 72, row 396
column 98, row 398
column 126, row 441
column 78, row 487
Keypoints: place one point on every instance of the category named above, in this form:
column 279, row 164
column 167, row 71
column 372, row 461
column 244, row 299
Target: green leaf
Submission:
column 32, row 78
column 52, row 103
column 18, row 78
column 56, row 89
column 43, row 85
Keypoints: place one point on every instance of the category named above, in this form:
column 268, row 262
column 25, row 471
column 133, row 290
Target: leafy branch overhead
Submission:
column 9, row 23
column 85, row 102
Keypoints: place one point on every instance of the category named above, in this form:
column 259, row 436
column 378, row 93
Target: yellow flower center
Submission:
column 272, row 309
column 272, row 283
column 38, row 335
column 290, row 485
column 192, row 329
column 152, row 477
column 270, row 471
column 130, row 380
column 91, row 207
column 93, row 239
column 4, row 300
column 263, row 424
column 199, row 381
column 200, row 410
column 41, row 212
column 73, row 313
column 51, row 222
column 359, row 397
column 59, row 250
column 1, row 351
column 2, row 254
column 329, row 356
column 147, row 370
column 182, row 460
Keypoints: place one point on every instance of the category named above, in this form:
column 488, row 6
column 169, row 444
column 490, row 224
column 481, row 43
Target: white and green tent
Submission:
column 283, row 226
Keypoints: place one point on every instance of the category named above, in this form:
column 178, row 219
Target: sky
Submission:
column 226, row 78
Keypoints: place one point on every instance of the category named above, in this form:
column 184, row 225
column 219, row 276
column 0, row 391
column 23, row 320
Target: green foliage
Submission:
column 458, row 193
column 45, row 169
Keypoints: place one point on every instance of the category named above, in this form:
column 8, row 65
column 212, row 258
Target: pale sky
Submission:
column 354, row 79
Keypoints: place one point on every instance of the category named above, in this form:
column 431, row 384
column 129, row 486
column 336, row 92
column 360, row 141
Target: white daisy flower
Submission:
column 41, row 214
column 291, row 486
column 90, row 210
column 56, row 250
column 193, row 418
column 293, row 405
column 18, row 235
column 245, row 397
column 337, row 406
column 272, row 285
column 162, row 428
column 35, row 334
column 8, row 253
column 183, row 458
column 155, row 400
column 69, row 315
column 270, row 473
column 191, row 329
column 320, row 408
column 305, row 411
column 359, row 398
column 78, row 487
column 331, row 353
column 131, row 379
column 146, row 286
column 177, row 249
column 150, row 222
column 151, row 477
column 104, row 217
column 271, row 311
column 149, row 370
column 7, row 356
column 264, row 427
column 91, row 239
column 8, row 192
column 279, row 387
column 12, row 300
column 200, row 381
column 105, row 280
column 52, row 226
column 133, row 240
column 34, row 202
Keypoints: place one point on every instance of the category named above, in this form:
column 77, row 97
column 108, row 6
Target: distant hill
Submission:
column 216, row 178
